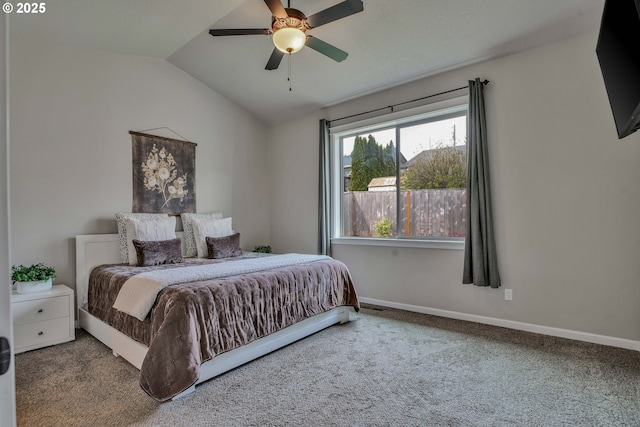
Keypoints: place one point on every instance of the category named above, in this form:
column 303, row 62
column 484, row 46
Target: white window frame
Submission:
column 425, row 112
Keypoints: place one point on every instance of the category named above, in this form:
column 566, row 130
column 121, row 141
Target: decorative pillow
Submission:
column 158, row 251
column 224, row 247
column 148, row 229
column 209, row 227
column 189, row 239
column 121, row 217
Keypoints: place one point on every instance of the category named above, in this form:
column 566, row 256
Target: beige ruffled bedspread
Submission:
column 193, row 322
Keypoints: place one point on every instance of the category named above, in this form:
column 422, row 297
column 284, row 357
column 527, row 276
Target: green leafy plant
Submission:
column 34, row 273
column 265, row 249
column 383, row 227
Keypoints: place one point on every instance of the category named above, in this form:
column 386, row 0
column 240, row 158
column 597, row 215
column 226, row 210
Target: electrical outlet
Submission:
column 508, row 294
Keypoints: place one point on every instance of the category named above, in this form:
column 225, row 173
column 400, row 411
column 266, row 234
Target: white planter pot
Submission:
column 30, row 287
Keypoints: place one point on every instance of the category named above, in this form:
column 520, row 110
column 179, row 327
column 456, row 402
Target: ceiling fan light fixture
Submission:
column 289, row 39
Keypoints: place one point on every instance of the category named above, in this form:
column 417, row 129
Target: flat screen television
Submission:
column 618, row 52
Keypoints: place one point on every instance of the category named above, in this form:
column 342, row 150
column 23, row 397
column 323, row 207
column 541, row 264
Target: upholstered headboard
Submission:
column 96, row 249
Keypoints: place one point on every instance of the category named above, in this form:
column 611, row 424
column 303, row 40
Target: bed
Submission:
column 174, row 354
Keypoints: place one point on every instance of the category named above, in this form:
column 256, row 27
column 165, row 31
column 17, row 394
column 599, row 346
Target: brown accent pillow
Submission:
column 224, row 247
column 158, row 251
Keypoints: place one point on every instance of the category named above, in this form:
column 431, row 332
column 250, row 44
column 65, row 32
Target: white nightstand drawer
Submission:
column 38, row 310
column 42, row 318
column 40, row 333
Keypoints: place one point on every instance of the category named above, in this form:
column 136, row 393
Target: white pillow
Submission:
column 148, row 229
column 191, row 249
column 121, row 217
column 209, row 227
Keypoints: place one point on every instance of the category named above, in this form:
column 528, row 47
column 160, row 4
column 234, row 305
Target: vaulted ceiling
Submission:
column 389, row 43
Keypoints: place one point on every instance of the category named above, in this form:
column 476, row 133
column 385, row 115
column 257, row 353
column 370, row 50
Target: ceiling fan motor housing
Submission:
column 295, row 19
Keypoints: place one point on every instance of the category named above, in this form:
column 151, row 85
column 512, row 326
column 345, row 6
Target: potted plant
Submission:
column 36, row 278
column 265, row 249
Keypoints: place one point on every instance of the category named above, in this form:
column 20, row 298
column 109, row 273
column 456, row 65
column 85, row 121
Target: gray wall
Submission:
column 566, row 199
column 71, row 111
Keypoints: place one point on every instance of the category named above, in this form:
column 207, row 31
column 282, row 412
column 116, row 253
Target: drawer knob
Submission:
column 40, row 310
column 40, row 333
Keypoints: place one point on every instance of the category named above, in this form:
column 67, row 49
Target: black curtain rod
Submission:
column 485, row 82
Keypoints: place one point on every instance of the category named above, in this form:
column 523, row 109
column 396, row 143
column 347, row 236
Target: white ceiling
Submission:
column 391, row 42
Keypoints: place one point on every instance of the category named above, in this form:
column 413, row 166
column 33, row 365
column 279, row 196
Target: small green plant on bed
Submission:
column 34, row 273
column 265, row 249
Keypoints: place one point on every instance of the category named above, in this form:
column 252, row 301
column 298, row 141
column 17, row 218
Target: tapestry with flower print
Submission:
column 164, row 172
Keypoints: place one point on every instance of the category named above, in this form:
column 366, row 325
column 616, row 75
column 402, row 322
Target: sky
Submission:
column 416, row 139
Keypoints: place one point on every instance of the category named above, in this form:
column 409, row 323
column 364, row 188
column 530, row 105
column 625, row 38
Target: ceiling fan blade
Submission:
column 240, row 31
column 275, row 59
column 276, row 8
column 339, row 11
column 327, row 49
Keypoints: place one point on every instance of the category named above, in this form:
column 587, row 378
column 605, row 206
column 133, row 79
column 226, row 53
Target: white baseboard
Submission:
column 511, row 324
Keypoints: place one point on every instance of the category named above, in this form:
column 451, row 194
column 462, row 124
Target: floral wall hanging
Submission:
column 164, row 172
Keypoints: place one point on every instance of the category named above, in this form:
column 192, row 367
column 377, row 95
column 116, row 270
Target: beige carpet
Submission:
column 388, row 368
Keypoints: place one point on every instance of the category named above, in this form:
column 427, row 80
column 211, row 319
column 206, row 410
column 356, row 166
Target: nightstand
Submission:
column 41, row 319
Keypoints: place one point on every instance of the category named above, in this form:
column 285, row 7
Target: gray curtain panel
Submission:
column 324, row 213
column 480, row 257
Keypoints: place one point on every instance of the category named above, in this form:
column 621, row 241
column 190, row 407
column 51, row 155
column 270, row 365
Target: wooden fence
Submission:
column 433, row 213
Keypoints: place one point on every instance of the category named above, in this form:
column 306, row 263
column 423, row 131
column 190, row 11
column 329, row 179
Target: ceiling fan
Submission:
column 289, row 27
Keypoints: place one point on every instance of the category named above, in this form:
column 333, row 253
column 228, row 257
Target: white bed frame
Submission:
column 96, row 249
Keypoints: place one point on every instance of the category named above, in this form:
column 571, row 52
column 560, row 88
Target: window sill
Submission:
column 399, row 243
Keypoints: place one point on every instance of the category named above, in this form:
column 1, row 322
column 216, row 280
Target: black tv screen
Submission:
column 618, row 52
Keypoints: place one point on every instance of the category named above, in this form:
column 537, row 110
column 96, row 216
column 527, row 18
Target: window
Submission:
column 402, row 177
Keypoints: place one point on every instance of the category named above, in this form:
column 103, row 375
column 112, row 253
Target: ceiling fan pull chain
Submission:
column 289, row 76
